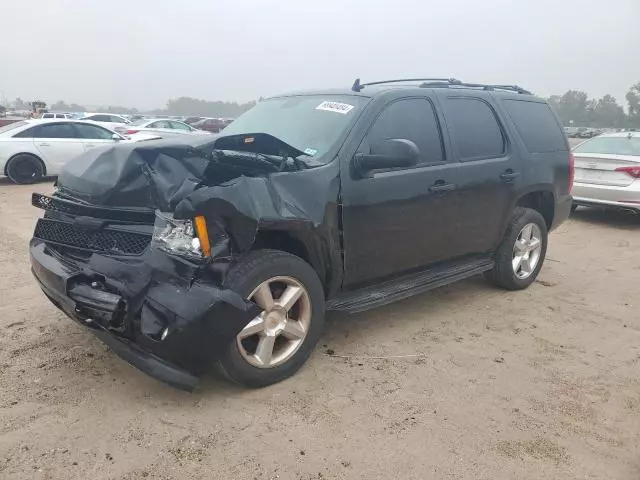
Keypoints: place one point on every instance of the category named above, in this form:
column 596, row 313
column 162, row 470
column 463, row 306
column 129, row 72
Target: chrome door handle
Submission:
column 442, row 187
column 44, row 145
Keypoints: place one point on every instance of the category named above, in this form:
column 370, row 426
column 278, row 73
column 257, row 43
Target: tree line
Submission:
column 573, row 107
column 180, row 106
column 576, row 108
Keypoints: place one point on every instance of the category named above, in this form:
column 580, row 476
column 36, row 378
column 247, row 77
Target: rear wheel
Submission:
column 521, row 254
column 24, row 169
column 275, row 344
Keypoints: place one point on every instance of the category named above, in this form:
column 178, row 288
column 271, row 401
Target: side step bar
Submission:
column 407, row 286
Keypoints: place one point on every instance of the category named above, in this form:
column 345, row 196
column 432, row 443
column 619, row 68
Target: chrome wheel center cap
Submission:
column 275, row 321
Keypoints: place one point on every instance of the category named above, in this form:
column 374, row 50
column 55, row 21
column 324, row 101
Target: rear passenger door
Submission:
column 488, row 174
column 399, row 220
column 57, row 143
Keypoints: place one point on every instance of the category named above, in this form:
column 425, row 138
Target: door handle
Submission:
column 89, row 145
column 440, row 186
column 509, row 176
column 44, row 145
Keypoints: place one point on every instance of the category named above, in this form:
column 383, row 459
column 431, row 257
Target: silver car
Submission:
column 607, row 171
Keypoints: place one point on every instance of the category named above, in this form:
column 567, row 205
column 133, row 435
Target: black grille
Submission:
column 104, row 240
column 53, row 204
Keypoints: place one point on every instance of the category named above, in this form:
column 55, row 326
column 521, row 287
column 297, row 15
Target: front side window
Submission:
column 310, row 123
column 93, row 131
column 475, row 129
column 180, row 126
column 409, row 119
column 55, row 130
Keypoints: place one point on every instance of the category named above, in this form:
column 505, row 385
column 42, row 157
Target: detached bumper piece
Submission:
column 167, row 328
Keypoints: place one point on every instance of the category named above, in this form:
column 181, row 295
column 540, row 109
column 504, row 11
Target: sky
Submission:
column 140, row 53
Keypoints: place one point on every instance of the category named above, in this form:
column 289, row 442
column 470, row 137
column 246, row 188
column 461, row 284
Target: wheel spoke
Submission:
column 289, row 297
column 527, row 232
column 534, row 243
column 264, row 351
column 520, row 247
column 526, row 265
column 294, row 330
column 263, row 297
column 254, row 327
column 517, row 260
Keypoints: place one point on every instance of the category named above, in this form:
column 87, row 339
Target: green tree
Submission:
column 606, row 112
column 633, row 99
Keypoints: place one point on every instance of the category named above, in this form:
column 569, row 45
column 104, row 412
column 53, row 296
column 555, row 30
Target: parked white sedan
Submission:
column 607, row 171
column 161, row 126
column 32, row 149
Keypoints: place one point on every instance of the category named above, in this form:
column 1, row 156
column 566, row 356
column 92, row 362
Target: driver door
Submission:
column 400, row 220
column 57, row 143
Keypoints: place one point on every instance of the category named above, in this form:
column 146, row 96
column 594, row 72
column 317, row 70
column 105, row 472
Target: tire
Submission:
column 24, row 169
column 255, row 269
column 503, row 274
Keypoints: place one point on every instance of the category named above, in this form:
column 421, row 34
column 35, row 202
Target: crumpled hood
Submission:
column 158, row 174
column 136, row 175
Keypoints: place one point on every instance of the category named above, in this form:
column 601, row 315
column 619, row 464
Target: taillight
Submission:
column 131, row 132
column 572, row 170
column 633, row 171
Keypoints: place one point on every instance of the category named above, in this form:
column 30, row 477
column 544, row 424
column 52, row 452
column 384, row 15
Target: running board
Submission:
column 407, row 286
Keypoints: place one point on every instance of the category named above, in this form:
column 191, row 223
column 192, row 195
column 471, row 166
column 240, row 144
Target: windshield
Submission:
column 611, row 146
column 309, row 123
column 12, row 126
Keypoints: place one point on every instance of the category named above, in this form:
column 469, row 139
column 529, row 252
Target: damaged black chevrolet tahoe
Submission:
column 227, row 250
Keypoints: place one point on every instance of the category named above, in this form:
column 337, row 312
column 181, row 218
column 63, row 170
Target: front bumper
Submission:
column 154, row 312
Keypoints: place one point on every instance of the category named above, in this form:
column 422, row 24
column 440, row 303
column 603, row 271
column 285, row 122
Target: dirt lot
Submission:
column 466, row 382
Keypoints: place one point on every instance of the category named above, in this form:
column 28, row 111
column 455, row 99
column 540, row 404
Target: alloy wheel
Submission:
column 527, row 250
column 277, row 333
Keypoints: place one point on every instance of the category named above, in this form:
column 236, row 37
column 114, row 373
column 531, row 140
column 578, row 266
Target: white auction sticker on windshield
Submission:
column 336, row 107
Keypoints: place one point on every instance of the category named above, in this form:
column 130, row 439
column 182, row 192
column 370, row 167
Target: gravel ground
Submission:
column 466, row 382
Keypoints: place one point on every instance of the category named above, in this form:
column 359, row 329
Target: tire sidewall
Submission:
column 25, row 157
column 282, row 264
column 522, row 217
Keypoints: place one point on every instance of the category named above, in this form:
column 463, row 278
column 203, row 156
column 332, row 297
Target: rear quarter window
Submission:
column 537, row 125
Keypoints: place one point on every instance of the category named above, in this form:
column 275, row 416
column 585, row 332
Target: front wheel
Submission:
column 521, row 254
column 24, row 169
column 275, row 344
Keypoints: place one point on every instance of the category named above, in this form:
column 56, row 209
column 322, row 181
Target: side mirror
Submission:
column 391, row 153
column 115, row 137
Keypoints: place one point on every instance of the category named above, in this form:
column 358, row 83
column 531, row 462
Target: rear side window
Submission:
column 99, row 118
column 537, row 125
column 475, row 128
column 411, row 119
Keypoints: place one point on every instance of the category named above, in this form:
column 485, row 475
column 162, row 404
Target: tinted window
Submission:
column 160, row 124
column 537, row 125
column 410, row 119
column 93, row 131
column 48, row 115
column 55, row 130
column 179, row 126
column 117, row 119
column 98, row 118
column 474, row 127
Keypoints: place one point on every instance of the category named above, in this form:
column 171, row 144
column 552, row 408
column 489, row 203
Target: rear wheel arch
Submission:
column 29, row 154
column 543, row 201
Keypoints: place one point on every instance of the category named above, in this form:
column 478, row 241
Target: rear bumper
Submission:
column 627, row 198
column 168, row 329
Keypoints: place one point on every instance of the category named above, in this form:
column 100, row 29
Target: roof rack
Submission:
column 441, row 82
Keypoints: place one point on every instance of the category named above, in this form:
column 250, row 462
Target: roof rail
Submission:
column 441, row 82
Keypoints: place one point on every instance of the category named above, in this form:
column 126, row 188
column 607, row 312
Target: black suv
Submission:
column 185, row 253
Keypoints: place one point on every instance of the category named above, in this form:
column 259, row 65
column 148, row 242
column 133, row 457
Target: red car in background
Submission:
column 213, row 125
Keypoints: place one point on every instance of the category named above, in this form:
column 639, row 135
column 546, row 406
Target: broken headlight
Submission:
column 176, row 237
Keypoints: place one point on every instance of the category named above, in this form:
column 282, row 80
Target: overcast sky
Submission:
column 142, row 52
